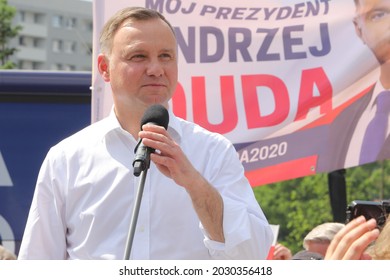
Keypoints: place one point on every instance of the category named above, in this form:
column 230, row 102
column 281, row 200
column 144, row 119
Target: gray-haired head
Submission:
column 323, row 233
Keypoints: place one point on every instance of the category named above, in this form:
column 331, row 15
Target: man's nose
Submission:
column 155, row 68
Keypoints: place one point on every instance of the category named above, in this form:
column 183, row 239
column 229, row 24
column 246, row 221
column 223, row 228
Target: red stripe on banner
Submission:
column 283, row 171
column 329, row 117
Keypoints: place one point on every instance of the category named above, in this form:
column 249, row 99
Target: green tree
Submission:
column 299, row 205
column 7, row 32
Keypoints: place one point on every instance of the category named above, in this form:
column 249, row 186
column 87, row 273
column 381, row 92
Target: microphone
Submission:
column 155, row 114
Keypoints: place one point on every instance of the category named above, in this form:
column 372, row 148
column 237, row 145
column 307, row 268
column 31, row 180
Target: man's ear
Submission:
column 103, row 67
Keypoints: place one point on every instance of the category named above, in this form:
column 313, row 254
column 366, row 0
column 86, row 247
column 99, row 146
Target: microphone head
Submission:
column 156, row 114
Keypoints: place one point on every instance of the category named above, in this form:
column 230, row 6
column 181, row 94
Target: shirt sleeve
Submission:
column 246, row 229
column 44, row 235
column 247, row 236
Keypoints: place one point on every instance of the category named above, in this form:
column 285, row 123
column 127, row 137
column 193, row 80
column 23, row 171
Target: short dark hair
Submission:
column 126, row 14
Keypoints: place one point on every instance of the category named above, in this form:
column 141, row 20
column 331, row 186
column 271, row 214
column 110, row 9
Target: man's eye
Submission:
column 166, row 56
column 378, row 15
column 137, row 57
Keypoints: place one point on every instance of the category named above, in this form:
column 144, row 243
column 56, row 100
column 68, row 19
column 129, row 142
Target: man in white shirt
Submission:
column 197, row 203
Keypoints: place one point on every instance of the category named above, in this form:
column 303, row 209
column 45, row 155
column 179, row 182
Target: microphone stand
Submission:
column 134, row 217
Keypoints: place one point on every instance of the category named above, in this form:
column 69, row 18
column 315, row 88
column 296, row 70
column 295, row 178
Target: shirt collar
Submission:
column 174, row 128
column 377, row 90
column 111, row 124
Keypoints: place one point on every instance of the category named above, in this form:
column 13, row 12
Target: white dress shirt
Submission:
column 85, row 191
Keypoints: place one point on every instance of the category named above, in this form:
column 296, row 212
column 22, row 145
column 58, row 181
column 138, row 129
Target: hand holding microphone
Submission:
column 155, row 114
column 171, row 161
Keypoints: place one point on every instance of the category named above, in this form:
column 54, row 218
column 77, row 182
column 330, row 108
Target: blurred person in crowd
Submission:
column 381, row 248
column 307, row 255
column 6, row 254
column 317, row 241
column 281, row 252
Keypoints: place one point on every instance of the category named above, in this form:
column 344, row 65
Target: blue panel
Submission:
column 27, row 131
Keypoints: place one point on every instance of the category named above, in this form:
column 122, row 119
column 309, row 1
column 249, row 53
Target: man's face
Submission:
column 142, row 65
column 372, row 24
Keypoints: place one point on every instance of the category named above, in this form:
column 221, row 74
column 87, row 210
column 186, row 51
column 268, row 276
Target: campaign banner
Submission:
column 290, row 83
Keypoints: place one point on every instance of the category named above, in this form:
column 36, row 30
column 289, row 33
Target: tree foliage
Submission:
column 299, row 205
column 7, row 32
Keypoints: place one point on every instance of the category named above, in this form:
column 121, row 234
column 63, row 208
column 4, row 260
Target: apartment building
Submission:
column 56, row 35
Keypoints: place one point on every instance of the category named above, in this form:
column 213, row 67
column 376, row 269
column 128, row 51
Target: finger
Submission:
column 154, row 128
column 354, row 241
column 357, row 249
column 340, row 235
column 158, row 138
